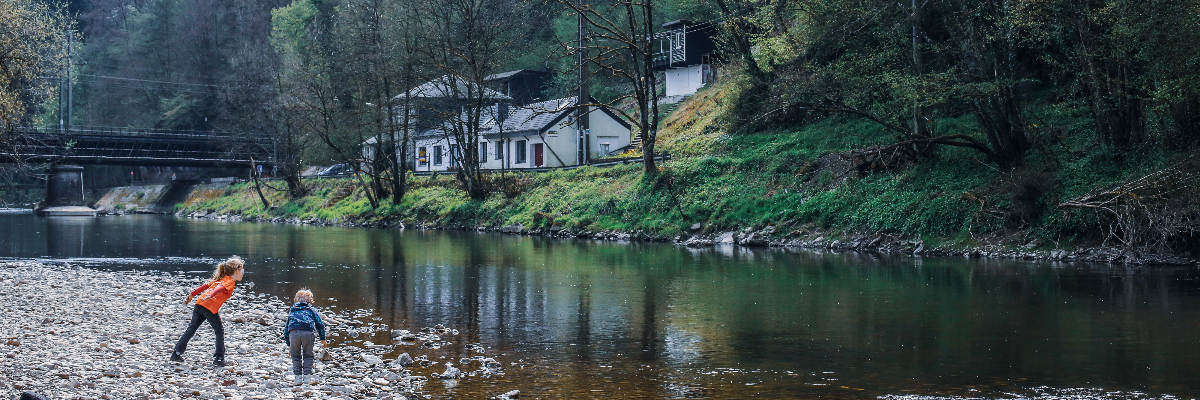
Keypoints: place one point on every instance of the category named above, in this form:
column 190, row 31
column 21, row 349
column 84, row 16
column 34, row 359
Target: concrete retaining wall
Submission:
column 157, row 198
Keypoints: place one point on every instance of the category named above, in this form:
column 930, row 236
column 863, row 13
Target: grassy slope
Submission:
column 731, row 181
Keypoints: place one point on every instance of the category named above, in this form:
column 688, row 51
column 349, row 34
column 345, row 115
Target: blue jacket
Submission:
column 305, row 307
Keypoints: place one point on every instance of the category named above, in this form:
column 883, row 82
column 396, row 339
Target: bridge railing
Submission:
column 127, row 132
column 112, row 145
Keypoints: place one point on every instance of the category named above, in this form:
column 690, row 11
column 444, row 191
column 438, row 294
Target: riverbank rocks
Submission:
column 58, row 343
column 403, row 360
column 787, row 235
column 450, row 373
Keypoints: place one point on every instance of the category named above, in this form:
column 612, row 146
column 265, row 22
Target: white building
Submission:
column 685, row 56
column 538, row 135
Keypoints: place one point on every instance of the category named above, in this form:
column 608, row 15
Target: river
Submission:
column 581, row 319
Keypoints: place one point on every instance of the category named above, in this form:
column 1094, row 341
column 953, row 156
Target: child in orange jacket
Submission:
column 211, row 296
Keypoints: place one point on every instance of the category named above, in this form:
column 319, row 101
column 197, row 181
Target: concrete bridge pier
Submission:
column 64, row 193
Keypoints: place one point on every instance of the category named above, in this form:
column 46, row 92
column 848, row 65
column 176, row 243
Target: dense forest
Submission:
column 1064, row 118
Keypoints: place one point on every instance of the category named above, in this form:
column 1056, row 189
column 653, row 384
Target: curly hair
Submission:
column 304, row 296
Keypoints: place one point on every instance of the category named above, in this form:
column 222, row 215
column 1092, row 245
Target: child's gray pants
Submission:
column 302, row 351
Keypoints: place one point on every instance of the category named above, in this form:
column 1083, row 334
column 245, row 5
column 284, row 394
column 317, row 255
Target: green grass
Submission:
column 726, row 181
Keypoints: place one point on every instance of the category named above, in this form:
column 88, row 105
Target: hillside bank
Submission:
column 798, row 188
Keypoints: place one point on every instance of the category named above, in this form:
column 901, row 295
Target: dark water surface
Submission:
column 598, row 320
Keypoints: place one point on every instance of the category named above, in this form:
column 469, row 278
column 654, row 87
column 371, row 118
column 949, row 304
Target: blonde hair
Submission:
column 228, row 268
column 304, row 296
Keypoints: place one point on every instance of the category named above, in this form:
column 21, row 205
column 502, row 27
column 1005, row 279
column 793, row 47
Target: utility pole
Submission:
column 70, row 83
column 581, row 118
column 918, row 67
column 61, row 83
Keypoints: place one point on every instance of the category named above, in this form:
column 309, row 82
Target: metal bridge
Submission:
column 138, row 147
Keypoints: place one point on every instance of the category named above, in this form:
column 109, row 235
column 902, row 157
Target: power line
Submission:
column 113, row 65
column 153, row 81
column 127, row 85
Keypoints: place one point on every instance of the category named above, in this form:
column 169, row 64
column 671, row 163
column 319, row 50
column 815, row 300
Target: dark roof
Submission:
column 449, row 86
column 673, row 24
column 506, row 75
column 530, row 119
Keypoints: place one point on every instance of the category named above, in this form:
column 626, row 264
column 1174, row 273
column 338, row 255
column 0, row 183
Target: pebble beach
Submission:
column 79, row 333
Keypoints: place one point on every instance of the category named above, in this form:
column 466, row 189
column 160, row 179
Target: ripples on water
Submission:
column 592, row 320
column 1046, row 393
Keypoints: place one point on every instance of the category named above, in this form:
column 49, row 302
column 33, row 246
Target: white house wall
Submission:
column 684, row 81
column 429, row 143
column 565, row 143
column 560, row 149
column 605, row 129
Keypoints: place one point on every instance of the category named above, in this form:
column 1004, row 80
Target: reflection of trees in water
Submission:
column 137, row 236
column 944, row 321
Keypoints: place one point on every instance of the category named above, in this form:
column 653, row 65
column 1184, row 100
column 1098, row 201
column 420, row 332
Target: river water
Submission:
column 579, row 319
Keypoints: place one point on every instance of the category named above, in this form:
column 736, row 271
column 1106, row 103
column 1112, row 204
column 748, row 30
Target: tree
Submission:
column 845, row 57
column 620, row 43
column 409, row 63
column 320, row 94
column 33, row 39
column 467, row 41
column 252, row 101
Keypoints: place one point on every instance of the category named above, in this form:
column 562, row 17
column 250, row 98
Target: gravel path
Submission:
column 77, row 333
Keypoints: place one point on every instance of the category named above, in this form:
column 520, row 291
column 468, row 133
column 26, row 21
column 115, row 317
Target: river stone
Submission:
column 127, row 358
column 492, row 364
column 403, row 360
column 511, row 394
column 726, row 238
column 450, row 373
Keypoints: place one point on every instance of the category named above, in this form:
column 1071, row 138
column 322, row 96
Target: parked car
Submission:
column 337, row 170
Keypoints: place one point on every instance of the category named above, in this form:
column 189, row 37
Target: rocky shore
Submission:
column 799, row 238
column 77, row 333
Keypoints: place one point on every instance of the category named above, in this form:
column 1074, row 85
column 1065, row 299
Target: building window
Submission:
column 454, row 155
column 482, row 151
column 422, row 157
column 437, row 155
column 605, row 148
column 500, row 149
column 521, row 152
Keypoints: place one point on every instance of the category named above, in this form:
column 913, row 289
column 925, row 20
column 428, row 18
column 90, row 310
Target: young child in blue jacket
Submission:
column 303, row 322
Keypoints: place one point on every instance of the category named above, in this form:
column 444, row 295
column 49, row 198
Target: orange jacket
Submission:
column 213, row 294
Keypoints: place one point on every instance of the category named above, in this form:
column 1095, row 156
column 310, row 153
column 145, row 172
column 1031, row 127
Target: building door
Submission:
column 537, row 154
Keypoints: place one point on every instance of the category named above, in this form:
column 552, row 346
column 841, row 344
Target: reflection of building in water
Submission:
column 65, row 235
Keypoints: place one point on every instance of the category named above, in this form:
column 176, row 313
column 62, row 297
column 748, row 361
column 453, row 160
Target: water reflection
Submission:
column 598, row 320
column 65, row 236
